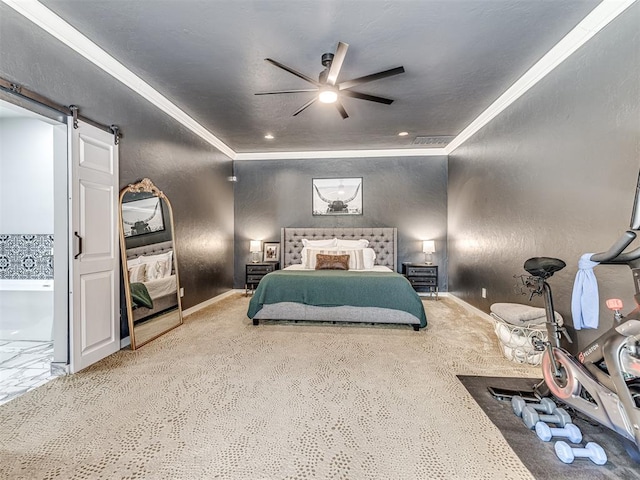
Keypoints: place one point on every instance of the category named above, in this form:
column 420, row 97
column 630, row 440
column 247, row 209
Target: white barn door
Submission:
column 95, row 269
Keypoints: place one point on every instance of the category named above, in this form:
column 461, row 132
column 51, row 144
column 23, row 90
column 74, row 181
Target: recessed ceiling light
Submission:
column 268, row 136
column 403, row 134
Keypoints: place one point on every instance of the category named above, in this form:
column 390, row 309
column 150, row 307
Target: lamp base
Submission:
column 255, row 257
column 428, row 259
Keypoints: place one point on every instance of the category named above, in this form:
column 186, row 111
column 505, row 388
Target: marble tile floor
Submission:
column 24, row 365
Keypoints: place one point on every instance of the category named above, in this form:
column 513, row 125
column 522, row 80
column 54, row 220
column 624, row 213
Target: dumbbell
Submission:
column 569, row 431
column 592, row 451
column 530, row 417
column 546, row 405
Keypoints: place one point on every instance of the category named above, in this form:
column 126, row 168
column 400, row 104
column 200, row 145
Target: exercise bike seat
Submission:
column 543, row 267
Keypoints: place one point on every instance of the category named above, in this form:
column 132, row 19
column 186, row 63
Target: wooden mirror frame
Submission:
column 163, row 320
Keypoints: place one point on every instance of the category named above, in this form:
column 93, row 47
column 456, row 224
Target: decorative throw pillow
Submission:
column 137, row 273
column 356, row 256
column 155, row 270
column 332, row 262
column 165, row 259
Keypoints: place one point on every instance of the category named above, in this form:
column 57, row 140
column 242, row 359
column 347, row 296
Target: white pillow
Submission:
column 137, row 272
column 330, row 242
column 359, row 258
column 133, row 261
column 362, row 243
column 369, row 255
column 164, row 269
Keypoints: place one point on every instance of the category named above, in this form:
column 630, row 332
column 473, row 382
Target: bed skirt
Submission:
column 298, row 311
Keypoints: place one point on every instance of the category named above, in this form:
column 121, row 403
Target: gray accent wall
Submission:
column 409, row 193
column 191, row 172
column 554, row 175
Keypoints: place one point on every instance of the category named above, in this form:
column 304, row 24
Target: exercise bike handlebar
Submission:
column 627, row 256
column 614, row 253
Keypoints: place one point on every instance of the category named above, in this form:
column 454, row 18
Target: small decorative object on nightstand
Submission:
column 423, row 277
column 254, row 272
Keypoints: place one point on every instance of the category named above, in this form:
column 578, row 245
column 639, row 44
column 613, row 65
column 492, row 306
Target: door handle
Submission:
column 79, row 249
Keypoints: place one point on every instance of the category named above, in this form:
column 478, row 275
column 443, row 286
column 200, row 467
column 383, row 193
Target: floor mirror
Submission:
column 150, row 267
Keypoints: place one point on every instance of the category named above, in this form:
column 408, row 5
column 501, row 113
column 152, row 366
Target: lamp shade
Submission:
column 255, row 246
column 428, row 246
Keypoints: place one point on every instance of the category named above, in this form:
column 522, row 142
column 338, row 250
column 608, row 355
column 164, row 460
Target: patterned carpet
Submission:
column 220, row 398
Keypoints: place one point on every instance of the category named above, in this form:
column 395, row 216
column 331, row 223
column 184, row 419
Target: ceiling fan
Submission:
column 328, row 90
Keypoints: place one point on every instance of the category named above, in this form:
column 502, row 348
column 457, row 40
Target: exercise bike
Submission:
column 603, row 381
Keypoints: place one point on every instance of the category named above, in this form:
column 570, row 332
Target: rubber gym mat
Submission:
column 540, row 457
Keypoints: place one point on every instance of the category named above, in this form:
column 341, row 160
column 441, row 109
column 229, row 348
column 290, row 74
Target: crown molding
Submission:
column 599, row 17
column 397, row 152
column 57, row 27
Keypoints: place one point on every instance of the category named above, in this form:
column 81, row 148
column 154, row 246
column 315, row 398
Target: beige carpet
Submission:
column 219, row 398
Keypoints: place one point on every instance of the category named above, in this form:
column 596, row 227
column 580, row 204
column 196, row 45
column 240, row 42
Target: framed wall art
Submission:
column 140, row 217
column 337, row 196
column 271, row 252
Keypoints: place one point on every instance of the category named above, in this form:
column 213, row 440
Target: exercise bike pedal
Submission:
column 540, row 345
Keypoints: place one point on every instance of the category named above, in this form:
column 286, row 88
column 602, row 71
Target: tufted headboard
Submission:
column 152, row 249
column 383, row 240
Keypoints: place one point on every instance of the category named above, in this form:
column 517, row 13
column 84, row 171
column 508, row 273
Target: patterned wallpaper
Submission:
column 26, row 257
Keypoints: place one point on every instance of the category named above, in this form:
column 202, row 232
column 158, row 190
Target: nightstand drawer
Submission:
column 260, row 269
column 254, row 278
column 423, row 282
column 422, row 271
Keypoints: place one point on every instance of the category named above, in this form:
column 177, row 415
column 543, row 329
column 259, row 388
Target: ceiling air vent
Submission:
column 433, row 142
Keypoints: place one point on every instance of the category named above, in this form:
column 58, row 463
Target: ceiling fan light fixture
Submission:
column 328, row 96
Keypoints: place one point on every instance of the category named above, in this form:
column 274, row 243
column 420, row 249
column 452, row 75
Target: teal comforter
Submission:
column 332, row 288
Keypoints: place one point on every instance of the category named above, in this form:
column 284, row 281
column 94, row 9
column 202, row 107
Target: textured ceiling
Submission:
column 208, row 58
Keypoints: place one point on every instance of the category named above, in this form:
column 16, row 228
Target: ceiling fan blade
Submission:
column 306, row 105
column 370, row 78
column 302, row 90
column 341, row 109
column 336, row 63
column 364, row 96
column 292, row 71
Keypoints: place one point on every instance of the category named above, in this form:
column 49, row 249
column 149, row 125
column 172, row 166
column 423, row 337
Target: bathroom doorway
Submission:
column 34, row 328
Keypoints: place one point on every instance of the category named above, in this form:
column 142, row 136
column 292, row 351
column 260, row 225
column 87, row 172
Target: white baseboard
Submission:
column 471, row 308
column 428, row 294
column 211, row 301
column 125, row 342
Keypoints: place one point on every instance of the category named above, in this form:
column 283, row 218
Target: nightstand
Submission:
column 254, row 273
column 423, row 277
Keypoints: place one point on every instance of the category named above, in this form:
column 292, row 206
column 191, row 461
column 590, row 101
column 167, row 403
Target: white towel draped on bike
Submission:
column 585, row 307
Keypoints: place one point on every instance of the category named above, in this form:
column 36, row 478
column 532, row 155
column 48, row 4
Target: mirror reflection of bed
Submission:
column 148, row 249
column 155, row 294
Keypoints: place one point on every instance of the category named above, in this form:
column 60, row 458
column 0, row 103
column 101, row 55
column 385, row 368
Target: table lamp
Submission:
column 255, row 247
column 428, row 247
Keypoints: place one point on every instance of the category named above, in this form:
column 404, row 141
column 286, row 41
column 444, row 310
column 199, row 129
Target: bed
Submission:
column 150, row 297
column 376, row 294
